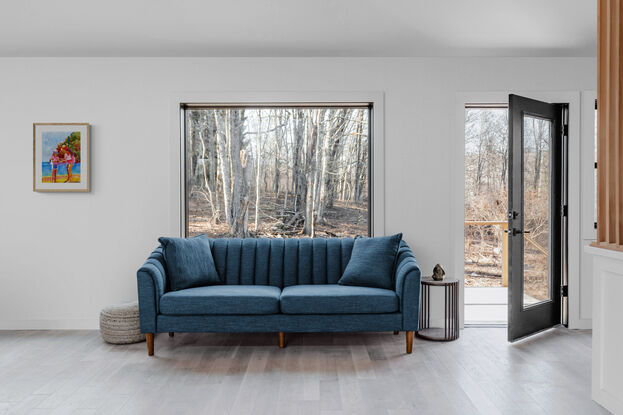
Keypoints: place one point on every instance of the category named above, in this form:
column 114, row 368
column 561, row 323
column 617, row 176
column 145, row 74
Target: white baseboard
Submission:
column 51, row 324
column 581, row 324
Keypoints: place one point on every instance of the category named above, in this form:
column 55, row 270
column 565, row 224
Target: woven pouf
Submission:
column 119, row 324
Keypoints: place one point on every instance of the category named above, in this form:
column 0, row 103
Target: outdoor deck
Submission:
column 486, row 305
column 489, row 305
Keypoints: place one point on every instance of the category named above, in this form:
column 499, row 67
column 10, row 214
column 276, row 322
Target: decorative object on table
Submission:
column 438, row 273
column 450, row 330
column 61, row 157
column 120, row 324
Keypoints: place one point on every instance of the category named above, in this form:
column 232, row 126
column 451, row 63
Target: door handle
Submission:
column 515, row 231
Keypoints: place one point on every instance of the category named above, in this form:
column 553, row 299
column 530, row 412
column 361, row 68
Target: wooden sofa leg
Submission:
column 282, row 340
column 150, row 343
column 396, row 332
column 409, row 341
column 171, row 334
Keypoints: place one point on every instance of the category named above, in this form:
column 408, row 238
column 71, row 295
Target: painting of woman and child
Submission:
column 63, row 165
column 59, row 157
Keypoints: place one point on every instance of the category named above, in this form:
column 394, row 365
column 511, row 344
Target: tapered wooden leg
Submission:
column 395, row 332
column 150, row 343
column 282, row 340
column 171, row 334
column 409, row 341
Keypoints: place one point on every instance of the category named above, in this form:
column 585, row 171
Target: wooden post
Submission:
column 282, row 340
column 609, row 125
column 505, row 256
column 150, row 343
column 409, row 341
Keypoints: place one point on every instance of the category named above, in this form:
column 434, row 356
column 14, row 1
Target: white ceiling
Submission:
column 298, row 28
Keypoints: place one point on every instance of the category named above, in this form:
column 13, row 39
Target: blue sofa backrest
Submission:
column 278, row 262
column 281, row 262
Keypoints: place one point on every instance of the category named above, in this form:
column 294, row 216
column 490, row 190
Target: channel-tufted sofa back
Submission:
column 281, row 262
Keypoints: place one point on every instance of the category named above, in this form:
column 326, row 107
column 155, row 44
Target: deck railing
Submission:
column 504, row 226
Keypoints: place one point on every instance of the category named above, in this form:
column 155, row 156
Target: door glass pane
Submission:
column 536, row 237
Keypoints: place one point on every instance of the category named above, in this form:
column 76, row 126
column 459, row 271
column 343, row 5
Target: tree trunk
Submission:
column 278, row 144
column 357, row 178
column 258, row 160
column 212, row 145
column 240, row 175
column 206, row 181
column 538, row 155
column 328, row 135
column 298, row 130
column 312, row 167
column 224, row 163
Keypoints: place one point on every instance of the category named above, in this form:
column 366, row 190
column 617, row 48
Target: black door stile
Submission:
column 529, row 313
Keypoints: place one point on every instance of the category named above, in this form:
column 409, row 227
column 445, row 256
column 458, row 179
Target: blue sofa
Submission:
column 279, row 285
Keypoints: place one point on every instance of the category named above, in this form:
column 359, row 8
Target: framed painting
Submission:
column 61, row 157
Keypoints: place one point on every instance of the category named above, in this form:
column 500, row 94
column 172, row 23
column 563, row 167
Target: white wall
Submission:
column 65, row 256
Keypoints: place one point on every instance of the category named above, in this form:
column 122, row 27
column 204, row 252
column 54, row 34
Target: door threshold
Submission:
column 485, row 325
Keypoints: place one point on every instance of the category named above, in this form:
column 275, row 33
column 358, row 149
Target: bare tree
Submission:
column 300, row 164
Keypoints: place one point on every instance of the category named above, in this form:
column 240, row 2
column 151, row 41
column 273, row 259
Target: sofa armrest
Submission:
column 152, row 284
column 408, row 278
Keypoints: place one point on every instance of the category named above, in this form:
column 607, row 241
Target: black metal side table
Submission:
column 450, row 330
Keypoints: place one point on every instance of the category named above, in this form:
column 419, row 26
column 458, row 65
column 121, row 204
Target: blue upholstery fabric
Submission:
column 189, row 262
column 289, row 323
column 408, row 279
column 273, row 264
column 281, row 262
column 222, row 299
column 152, row 283
column 337, row 299
column 372, row 262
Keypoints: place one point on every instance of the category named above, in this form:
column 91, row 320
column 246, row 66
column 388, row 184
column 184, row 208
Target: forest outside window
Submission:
column 277, row 171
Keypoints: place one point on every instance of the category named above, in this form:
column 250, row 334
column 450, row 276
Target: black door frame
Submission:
column 524, row 321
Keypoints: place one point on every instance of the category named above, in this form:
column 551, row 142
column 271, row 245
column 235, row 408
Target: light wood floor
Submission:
column 52, row 372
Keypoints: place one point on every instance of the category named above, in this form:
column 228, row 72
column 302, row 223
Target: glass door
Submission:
column 535, row 215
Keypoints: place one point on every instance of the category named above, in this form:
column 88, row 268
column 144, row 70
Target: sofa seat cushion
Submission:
column 222, row 299
column 337, row 299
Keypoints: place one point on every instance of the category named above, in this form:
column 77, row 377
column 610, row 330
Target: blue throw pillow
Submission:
column 189, row 262
column 372, row 262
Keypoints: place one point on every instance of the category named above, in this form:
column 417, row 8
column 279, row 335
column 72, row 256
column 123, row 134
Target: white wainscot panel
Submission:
column 607, row 376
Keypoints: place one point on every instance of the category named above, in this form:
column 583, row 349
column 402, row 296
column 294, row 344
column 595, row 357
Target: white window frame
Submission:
column 377, row 156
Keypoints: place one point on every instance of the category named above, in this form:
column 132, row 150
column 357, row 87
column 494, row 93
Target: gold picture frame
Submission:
column 61, row 157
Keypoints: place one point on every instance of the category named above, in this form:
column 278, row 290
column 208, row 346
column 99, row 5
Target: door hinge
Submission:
column 564, row 210
column 565, row 130
column 564, row 291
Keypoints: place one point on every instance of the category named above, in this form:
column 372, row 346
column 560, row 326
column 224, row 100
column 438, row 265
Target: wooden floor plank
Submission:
column 361, row 373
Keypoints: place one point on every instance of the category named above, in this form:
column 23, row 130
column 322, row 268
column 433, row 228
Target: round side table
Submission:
column 450, row 330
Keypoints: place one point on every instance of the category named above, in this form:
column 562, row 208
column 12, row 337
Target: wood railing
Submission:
column 504, row 226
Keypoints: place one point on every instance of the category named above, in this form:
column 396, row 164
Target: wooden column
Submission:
column 609, row 125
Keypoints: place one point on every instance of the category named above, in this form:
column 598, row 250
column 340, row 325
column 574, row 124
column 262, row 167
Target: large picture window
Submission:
column 277, row 171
